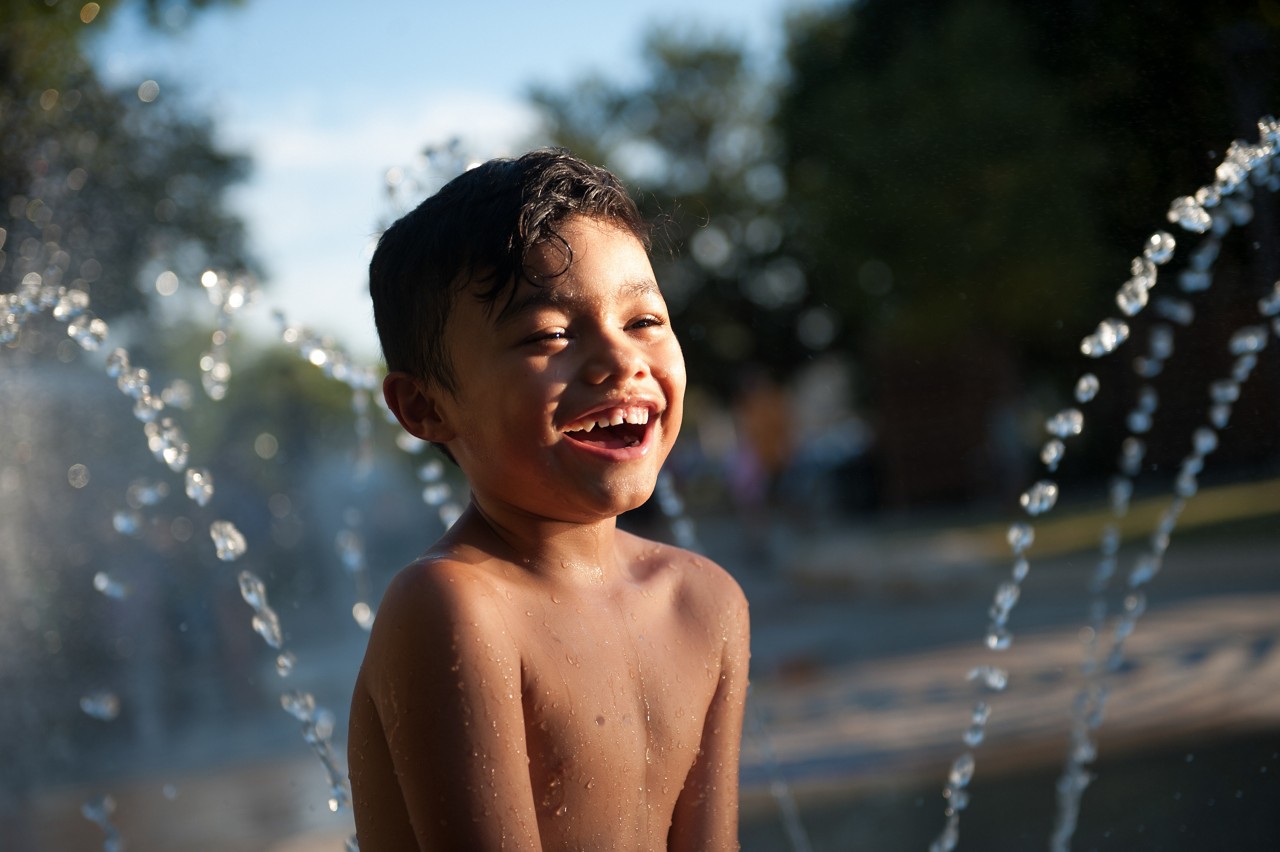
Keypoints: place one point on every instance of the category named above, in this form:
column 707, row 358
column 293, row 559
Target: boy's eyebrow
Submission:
column 550, row 296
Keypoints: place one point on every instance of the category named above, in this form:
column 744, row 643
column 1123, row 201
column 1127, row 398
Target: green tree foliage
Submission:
column 694, row 142
column 970, row 179
column 95, row 183
column 937, row 175
column 958, row 167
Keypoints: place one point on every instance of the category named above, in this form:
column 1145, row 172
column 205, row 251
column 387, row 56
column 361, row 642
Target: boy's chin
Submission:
column 615, row 502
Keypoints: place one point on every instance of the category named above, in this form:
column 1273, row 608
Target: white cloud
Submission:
column 317, row 194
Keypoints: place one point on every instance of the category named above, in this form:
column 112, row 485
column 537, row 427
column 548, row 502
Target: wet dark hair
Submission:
column 479, row 229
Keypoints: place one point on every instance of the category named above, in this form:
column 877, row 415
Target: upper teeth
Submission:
column 615, row 417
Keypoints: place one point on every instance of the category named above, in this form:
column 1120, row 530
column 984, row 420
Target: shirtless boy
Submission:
column 539, row 679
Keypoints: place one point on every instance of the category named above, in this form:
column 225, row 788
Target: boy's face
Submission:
column 535, row 382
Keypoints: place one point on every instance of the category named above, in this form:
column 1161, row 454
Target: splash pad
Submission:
column 161, row 411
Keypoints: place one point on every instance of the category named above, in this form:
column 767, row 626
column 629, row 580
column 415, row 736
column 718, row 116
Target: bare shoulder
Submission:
column 698, row 584
column 429, row 606
column 437, row 585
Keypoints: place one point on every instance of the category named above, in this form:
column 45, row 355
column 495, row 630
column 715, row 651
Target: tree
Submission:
column 693, row 140
column 971, row 179
column 96, row 183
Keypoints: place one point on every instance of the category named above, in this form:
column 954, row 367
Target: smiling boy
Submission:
column 540, row 679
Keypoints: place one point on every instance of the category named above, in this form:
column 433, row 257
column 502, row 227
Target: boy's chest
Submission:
column 617, row 692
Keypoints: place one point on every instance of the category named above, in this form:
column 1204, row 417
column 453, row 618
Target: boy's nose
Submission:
column 614, row 358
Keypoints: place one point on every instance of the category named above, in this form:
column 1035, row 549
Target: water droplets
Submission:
column 1065, row 424
column 1205, row 441
column 1039, row 498
column 1020, row 536
column 436, row 493
column 110, row 587
column 1132, row 296
column 199, row 485
column 1109, row 335
column 1187, row 213
column 1159, row 247
column 993, row 678
column 285, row 663
column 1175, row 310
column 89, row 332
column 167, row 442
column 1051, row 454
column 99, row 811
column 1249, row 340
column 101, row 704
column 227, row 540
column 252, row 590
column 1132, row 451
column 976, row 732
column 298, row 704
column 1269, row 305
column 1087, row 388
column 961, row 772
column 267, row 625
column 126, row 522
column 73, row 304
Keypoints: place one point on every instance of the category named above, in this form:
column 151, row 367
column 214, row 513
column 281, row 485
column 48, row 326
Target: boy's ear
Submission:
column 416, row 405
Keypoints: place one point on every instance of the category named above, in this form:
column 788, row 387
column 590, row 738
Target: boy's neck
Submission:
column 560, row 551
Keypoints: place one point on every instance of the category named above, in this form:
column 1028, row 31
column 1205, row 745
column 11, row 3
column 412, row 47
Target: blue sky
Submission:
column 327, row 96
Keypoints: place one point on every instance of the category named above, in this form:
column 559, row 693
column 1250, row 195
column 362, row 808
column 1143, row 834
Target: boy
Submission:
column 539, row 679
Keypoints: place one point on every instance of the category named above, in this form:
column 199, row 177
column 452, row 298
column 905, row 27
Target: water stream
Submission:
column 1211, row 212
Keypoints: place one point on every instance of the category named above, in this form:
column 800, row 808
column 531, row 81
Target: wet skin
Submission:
column 540, row 680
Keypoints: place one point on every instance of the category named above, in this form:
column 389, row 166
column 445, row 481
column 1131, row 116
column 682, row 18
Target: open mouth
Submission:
column 613, row 429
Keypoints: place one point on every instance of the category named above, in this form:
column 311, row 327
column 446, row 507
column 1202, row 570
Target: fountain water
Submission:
column 1214, row 209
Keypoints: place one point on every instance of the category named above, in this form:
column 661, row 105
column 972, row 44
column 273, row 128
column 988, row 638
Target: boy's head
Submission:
column 526, row 336
column 477, row 233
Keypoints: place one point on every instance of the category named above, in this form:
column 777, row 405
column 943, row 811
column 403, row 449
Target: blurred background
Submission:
column 884, row 229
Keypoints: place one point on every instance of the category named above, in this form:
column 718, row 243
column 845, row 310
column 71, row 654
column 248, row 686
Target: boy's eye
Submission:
column 548, row 335
column 648, row 321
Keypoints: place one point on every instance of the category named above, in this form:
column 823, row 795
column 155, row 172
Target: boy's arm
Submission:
column 706, row 814
column 447, row 688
